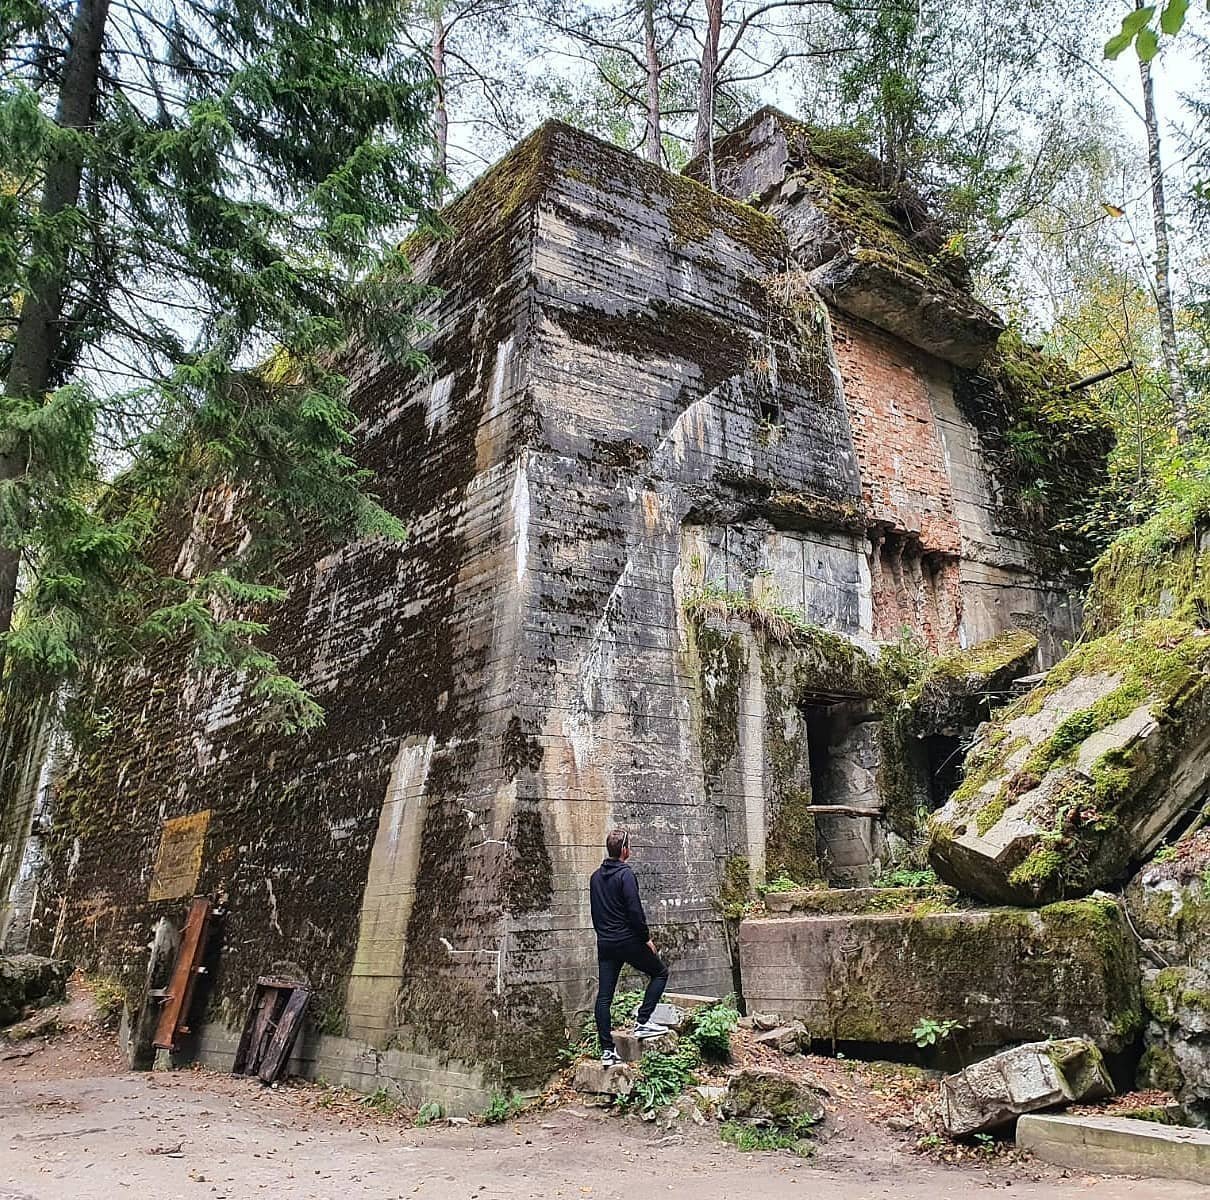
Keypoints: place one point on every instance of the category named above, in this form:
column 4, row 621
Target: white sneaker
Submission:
column 610, row 1058
column 650, row 1029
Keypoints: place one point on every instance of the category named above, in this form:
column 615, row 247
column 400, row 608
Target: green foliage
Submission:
column 241, row 179
column 662, row 1077
column 382, row 1102
column 710, row 1029
column 751, row 1137
column 108, row 995
column 501, row 1107
column 929, row 1032
column 905, row 877
column 1137, row 27
column 782, row 883
column 624, row 1003
column 428, row 1113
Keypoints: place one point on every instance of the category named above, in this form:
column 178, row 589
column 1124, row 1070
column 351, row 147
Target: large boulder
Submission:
column 763, row 1097
column 1005, row 975
column 1169, row 902
column 1086, row 773
column 1025, row 1079
column 27, row 979
column 1177, row 1054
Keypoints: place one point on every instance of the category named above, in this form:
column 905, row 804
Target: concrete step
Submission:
column 1118, row 1146
column 687, row 1002
column 630, row 1048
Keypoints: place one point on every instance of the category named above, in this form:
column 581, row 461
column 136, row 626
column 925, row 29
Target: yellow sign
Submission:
column 180, row 857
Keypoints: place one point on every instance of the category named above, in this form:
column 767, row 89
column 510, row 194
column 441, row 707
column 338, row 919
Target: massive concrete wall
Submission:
column 634, row 409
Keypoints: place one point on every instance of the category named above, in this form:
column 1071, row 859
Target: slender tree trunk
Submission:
column 39, row 333
column 703, row 138
column 441, row 115
column 1163, row 289
column 651, row 138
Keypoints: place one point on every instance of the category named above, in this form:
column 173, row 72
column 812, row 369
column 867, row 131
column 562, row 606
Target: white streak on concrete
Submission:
column 520, row 508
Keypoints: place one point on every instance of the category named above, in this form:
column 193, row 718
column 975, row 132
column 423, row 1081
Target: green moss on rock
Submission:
column 1085, row 800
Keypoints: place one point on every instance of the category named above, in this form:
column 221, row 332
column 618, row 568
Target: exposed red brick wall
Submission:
column 898, row 449
column 914, row 555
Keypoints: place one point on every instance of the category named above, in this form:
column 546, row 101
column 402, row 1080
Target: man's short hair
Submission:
column 616, row 842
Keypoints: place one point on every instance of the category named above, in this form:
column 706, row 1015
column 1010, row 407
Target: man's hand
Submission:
column 651, row 947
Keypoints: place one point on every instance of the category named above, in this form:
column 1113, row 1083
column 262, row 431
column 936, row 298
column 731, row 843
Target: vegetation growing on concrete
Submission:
column 1160, row 664
column 1158, row 569
column 1046, row 444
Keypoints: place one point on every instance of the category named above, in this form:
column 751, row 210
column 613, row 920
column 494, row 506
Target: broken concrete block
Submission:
column 1005, row 975
column 1084, row 774
column 687, row 1002
column 596, row 1079
column 631, row 1049
column 30, row 979
column 1026, row 1078
column 767, row 1097
column 953, row 695
column 765, row 1021
column 788, row 1039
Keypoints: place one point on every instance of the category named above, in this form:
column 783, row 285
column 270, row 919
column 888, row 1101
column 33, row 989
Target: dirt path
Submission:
column 74, row 1124
column 196, row 1135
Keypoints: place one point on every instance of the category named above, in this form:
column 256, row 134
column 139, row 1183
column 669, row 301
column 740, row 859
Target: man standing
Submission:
column 622, row 938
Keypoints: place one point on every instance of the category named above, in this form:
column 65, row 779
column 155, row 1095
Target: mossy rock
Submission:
column 1169, row 901
column 1085, row 774
column 772, row 1098
column 952, row 696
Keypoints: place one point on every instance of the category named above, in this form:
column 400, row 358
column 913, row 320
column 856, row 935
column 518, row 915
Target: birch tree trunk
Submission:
column 703, row 138
column 1163, row 289
column 441, row 117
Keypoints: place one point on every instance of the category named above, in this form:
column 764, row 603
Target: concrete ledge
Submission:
column 1118, row 1146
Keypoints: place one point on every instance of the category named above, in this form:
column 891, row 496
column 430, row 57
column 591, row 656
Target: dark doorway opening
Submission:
column 821, row 738
column 943, row 756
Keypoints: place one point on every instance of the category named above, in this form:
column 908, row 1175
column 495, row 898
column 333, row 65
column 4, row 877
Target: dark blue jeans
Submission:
column 611, row 958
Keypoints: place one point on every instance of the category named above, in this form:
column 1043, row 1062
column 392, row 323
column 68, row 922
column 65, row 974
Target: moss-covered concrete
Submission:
column 1159, row 569
column 1005, row 975
column 1084, row 774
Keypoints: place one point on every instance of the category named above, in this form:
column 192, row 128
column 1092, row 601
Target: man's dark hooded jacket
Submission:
column 617, row 911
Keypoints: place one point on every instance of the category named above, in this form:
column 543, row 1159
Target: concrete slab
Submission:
column 1005, row 975
column 1118, row 1146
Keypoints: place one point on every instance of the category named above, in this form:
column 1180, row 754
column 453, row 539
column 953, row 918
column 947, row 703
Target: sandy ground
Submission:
column 73, row 1124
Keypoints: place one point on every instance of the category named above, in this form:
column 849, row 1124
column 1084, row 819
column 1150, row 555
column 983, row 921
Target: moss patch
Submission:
column 1155, row 570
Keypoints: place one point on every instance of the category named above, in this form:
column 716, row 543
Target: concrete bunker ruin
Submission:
column 684, row 462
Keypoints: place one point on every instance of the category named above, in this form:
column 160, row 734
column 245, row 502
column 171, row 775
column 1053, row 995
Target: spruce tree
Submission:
column 201, row 203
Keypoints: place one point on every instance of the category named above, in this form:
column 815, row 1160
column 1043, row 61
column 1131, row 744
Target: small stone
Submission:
column 900, row 1124
column 765, row 1021
column 786, row 1038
